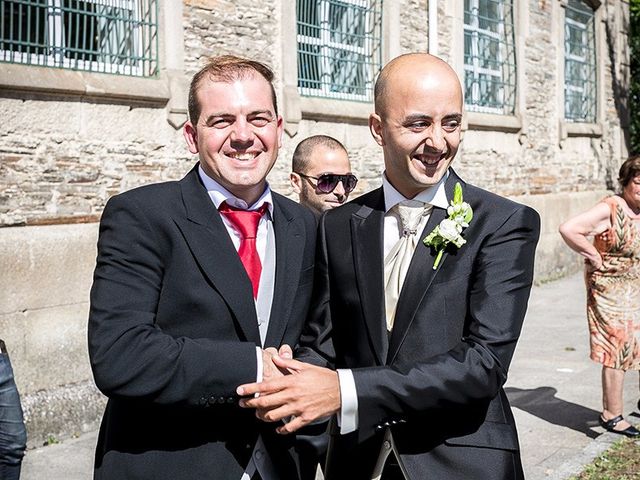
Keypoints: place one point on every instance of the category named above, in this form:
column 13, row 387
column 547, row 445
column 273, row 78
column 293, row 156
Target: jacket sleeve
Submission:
column 476, row 368
column 130, row 355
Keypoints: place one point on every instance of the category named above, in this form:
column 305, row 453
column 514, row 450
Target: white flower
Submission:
column 449, row 229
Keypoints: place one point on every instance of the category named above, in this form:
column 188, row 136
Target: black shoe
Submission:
column 609, row 426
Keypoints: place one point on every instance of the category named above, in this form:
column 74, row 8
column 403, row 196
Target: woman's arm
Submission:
column 577, row 230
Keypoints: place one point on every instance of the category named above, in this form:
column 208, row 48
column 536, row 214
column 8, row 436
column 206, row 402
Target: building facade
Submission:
column 93, row 97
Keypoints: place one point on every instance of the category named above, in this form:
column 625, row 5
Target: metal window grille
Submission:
column 339, row 50
column 108, row 36
column 489, row 56
column 579, row 63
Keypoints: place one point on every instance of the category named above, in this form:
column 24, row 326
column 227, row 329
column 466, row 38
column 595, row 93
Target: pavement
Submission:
column 553, row 386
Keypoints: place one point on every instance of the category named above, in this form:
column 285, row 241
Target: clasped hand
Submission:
column 291, row 389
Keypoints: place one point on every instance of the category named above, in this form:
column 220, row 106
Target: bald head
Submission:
column 418, row 66
column 417, row 121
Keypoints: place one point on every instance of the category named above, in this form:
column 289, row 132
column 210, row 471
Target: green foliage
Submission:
column 620, row 462
column 634, row 88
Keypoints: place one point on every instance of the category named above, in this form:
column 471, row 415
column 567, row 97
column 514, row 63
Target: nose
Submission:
column 242, row 133
column 339, row 191
column 435, row 138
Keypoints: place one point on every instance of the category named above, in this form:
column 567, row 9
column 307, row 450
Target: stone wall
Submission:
column 62, row 157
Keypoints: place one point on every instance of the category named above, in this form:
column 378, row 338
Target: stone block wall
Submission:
column 62, row 157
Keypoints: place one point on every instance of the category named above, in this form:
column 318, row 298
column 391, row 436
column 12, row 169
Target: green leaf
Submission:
column 457, row 193
column 469, row 215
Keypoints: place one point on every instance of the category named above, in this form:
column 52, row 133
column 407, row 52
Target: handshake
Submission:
column 291, row 389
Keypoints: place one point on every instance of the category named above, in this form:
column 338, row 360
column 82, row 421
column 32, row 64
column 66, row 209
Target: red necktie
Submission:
column 246, row 223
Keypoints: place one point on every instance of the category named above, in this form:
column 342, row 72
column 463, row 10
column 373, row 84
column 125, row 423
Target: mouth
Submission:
column 242, row 156
column 429, row 160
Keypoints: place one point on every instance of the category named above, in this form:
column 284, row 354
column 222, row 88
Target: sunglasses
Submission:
column 327, row 182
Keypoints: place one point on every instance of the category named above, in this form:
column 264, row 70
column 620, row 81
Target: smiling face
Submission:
column 237, row 134
column 418, row 121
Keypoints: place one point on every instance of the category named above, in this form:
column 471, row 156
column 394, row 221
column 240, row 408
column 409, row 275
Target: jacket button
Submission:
column 203, row 401
column 212, row 400
column 230, row 399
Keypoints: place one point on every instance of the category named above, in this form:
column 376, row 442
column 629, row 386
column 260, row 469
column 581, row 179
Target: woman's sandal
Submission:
column 609, row 425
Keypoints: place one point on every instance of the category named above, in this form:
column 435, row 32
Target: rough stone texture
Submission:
column 62, row 412
column 414, row 31
column 239, row 27
column 61, row 158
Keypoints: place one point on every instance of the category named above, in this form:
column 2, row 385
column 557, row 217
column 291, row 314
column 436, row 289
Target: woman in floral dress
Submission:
column 613, row 288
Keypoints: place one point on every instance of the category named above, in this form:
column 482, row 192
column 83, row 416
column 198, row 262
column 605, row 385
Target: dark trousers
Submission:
column 13, row 436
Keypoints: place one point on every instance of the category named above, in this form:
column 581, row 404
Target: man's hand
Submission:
column 269, row 369
column 308, row 394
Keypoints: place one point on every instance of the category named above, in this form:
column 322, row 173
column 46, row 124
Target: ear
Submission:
column 296, row 182
column 280, row 127
column 191, row 137
column 375, row 127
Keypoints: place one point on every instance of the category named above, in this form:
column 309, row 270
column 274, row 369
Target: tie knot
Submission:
column 245, row 221
column 410, row 216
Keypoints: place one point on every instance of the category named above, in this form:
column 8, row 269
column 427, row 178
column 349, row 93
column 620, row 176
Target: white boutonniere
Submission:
column 450, row 229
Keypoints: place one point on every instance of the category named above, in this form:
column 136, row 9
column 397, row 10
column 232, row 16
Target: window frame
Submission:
column 477, row 70
column 581, row 129
column 329, row 46
column 56, row 35
column 590, row 61
column 297, row 107
column 167, row 89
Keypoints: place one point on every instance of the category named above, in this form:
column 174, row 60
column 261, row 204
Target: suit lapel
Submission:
column 209, row 242
column 290, row 240
column 419, row 276
column 366, row 240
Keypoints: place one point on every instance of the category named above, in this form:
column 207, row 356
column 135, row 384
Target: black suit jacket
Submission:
column 173, row 332
column 437, row 381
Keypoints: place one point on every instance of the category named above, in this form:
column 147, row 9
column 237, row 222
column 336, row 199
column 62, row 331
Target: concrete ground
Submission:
column 554, row 389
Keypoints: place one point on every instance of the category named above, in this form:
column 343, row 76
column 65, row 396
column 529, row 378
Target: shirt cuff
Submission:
column 348, row 415
column 259, row 365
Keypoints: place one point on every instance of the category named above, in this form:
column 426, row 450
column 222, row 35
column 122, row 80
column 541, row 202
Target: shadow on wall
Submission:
column 543, row 403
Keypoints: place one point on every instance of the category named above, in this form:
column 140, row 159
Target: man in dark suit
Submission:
column 422, row 335
column 192, row 279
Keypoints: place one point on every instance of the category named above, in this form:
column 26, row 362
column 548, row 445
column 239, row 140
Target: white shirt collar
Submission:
column 220, row 194
column 434, row 195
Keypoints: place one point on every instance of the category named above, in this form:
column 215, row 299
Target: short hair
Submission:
column 300, row 161
column 629, row 170
column 227, row 68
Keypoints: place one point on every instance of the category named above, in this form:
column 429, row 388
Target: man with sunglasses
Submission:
column 321, row 173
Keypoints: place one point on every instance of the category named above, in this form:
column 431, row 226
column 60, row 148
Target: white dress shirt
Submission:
column 434, row 195
column 265, row 246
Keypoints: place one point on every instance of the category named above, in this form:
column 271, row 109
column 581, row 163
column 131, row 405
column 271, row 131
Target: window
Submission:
column 339, row 50
column 579, row 63
column 489, row 56
column 107, row 36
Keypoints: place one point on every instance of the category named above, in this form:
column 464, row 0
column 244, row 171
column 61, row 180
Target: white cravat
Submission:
column 412, row 216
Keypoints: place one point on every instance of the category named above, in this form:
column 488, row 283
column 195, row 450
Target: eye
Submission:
column 451, row 125
column 260, row 121
column 219, row 123
column 418, row 125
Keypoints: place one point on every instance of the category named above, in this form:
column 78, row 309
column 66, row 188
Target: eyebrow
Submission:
column 421, row 116
column 210, row 118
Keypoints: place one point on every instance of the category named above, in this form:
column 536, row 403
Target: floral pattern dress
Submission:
column 613, row 294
